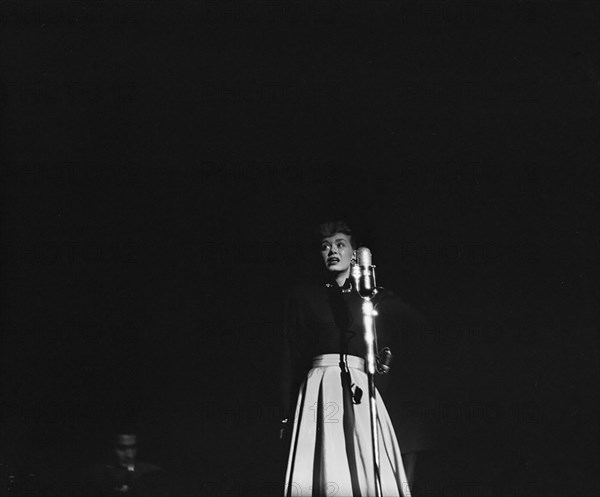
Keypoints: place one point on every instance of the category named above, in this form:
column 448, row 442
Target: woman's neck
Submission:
column 342, row 277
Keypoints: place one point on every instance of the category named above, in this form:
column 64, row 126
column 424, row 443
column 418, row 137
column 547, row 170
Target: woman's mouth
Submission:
column 333, row 260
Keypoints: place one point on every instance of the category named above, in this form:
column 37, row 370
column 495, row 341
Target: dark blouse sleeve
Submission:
column 295, row 347
column 412, row 385
column 396, row 319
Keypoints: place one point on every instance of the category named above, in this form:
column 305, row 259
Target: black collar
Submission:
column 345, row 288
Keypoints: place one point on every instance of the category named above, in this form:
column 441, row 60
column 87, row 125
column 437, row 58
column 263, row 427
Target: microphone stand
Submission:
column 369, row 313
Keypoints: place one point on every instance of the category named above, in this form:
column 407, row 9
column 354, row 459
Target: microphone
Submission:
column 366, row 281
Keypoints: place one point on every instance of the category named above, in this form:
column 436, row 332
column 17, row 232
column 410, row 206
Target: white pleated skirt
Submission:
column 331, row 449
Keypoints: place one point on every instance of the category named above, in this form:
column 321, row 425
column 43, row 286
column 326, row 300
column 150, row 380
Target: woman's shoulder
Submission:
column 390, row 300
column 305, row 289
column 385, row 296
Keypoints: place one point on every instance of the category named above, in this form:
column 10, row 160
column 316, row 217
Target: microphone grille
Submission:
column 363, row 255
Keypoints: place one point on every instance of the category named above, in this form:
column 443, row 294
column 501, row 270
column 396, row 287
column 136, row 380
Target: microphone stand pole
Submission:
column 369, row 314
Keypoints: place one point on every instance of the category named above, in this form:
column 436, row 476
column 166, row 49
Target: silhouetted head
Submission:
column 125, row 448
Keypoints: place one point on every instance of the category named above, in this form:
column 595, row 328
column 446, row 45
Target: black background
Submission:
column 165, row 164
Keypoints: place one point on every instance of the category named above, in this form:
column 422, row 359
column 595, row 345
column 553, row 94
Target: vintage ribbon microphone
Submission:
column 363, row 274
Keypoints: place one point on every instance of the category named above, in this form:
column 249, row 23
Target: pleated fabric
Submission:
column 331, row 450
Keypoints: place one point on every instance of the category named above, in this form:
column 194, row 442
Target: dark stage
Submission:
column 165, row 165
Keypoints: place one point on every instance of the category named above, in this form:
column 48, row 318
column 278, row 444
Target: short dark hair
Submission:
column 330, row 228
column 124, row 427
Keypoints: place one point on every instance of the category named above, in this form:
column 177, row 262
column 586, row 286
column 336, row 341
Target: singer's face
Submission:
column 126, row 449
column 337, row 253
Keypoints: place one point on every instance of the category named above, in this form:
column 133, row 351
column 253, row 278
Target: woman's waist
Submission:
column 327, row 360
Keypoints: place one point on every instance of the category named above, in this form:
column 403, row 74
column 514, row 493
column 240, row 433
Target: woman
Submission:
column 330, row 446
